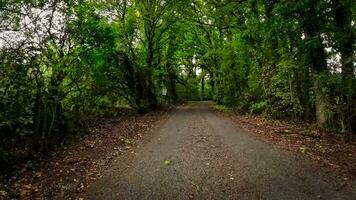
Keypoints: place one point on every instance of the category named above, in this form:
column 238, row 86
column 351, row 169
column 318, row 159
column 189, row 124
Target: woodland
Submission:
column 67, row 63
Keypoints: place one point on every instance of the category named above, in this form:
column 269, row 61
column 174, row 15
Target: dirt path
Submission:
column 212, row 159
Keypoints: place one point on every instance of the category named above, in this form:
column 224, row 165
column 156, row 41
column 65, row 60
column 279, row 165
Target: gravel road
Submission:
column 198, row 154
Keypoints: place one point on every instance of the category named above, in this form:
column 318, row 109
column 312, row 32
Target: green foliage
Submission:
column 223, row 108
column 270, row 57
column 189, row 91
column 71, row 62
column 259, row 108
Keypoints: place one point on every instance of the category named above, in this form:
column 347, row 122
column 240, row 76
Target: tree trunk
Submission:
column 316, row 59
column 343, row 18
column 172, row 87
column 149, row 93
column 203, row 88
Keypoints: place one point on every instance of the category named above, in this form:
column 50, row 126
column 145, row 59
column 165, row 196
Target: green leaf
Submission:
column 168, row 162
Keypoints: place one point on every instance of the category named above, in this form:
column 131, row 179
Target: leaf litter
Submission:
column 69, row 171
column 327, row 148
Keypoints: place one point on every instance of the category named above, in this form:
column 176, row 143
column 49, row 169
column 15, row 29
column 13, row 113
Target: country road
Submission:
column 198, row 154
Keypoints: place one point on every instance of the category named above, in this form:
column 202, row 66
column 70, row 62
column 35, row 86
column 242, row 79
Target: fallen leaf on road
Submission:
column 167, row 162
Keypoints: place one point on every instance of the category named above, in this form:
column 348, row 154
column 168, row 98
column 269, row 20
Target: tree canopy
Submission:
column 65, row 62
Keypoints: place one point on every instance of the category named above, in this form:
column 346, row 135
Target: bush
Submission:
column 258, row 108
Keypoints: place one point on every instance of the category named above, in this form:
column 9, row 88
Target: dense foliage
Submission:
column 65, row 62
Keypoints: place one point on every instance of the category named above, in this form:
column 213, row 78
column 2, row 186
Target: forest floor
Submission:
column 69, row 171
column 329, row 149
column 194, row 152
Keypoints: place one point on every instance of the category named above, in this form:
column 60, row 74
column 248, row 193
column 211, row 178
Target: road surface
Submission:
column 198, row 154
